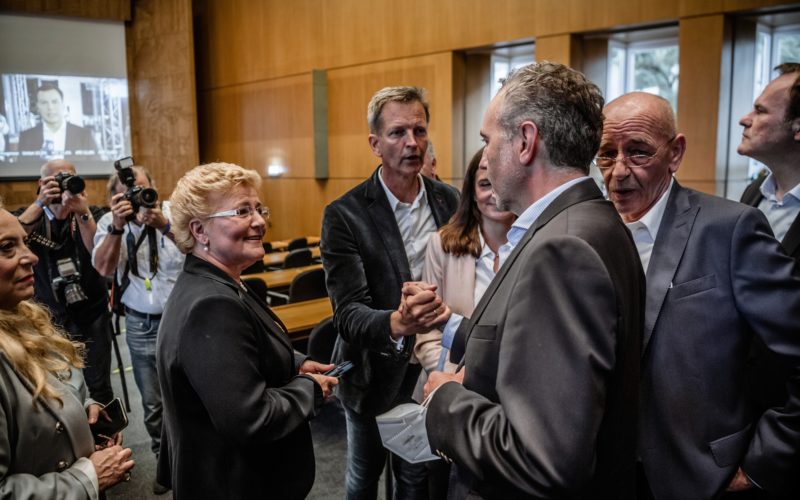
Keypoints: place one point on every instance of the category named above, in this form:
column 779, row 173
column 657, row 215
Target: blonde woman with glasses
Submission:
column 237, row 398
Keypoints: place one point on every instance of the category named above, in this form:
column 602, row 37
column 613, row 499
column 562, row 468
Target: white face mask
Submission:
column 402, row 431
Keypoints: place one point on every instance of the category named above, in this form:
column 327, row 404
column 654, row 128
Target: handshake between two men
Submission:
column 421, row 310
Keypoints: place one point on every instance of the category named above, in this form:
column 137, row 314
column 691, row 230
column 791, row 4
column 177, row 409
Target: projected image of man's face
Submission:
column 51, row 107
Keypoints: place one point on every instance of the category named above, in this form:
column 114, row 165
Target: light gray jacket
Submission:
column 40, row 445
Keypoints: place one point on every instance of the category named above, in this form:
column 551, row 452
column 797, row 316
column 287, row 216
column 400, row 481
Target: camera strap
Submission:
column 133, row 245
column 46, row 240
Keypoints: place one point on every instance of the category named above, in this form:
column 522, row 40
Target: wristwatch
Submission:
column 113, row 230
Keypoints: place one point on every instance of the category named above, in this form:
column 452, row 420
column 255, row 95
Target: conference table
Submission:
column 277, row 258
column 301, row 317
column 283, row 244
column 281, row 278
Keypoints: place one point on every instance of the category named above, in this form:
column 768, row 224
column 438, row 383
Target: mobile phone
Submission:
column 111, row 420
column 339, row 370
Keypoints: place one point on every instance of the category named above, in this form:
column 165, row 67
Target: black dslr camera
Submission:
column 138, row 196
column 68, row 279
column 69, row 182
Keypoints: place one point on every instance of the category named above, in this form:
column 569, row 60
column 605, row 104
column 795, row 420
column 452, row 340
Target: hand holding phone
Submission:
column 339, row 370
column 112, row 419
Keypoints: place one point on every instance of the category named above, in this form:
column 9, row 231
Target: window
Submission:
column 647, row 66
column 505, row 60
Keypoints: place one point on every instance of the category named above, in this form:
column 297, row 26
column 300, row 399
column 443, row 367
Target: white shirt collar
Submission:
column 529, row 216
column 768, row 188
column 652, row 219
column 393, row 201
column 486, row 250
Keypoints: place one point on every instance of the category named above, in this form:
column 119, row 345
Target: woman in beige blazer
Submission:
column 461, row 257
column 46, row 447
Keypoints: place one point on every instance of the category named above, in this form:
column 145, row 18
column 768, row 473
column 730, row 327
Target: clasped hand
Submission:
column 420, row 310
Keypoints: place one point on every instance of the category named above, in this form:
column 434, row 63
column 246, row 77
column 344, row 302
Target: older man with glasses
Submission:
column 716, row 280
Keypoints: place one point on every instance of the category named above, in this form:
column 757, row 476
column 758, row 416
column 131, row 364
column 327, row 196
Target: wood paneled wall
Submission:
column 244, row 41
column 699, row 99
column 250, row 54
column 161, row 73
column 254, row 63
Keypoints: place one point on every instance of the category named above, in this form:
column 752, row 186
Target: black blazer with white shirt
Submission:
column 365, row 266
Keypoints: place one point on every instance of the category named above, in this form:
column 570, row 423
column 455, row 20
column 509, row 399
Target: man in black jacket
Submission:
column 771, row 135
column 373, row 241
column 61, row 225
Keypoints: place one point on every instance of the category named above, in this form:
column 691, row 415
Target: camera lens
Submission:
column 73, row 184
column 149, row 197
column 73, row 293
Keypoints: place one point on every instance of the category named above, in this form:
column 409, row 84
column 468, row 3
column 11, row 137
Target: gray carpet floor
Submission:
column 328, row 430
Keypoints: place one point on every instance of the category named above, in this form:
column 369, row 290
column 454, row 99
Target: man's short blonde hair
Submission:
column 190, row 199
column 386, row 95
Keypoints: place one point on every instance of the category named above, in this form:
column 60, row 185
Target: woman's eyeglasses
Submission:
column 242, row 213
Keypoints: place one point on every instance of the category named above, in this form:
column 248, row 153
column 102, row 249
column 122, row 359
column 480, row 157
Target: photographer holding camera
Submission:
column 61, row 227
column 134, row 243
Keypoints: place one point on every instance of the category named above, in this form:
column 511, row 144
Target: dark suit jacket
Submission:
column 766, row 371
column 717, row 278
column 235, row 411
column 78, row 139
column 752, row 196
column 548, row 407
column 365, row 266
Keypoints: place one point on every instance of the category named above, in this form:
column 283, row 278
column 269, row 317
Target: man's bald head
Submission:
column 639, row 152
column 649, row 106
column 53, row 167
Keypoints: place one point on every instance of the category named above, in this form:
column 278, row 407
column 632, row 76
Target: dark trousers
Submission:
column 96, row 337
column 366, row 457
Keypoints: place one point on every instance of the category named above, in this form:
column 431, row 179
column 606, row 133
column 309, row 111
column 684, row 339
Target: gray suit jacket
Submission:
column 39, row 446
column 365, row 266
column 549, row 402
column 717, row 279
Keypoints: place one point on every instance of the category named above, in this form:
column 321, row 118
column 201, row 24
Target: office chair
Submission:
column 321, row 341
column 257, row 286
column 308, row 285
column 297, row 243
column 256, row 267
column 298, row 258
